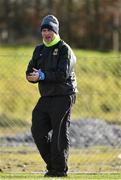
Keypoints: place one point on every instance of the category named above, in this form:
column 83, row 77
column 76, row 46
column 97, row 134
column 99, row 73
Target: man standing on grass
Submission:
column 52, row 67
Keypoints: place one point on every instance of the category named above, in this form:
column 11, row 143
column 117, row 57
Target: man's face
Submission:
column 48, row 35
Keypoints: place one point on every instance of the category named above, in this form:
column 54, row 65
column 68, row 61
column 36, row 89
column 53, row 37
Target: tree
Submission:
column 92, row 24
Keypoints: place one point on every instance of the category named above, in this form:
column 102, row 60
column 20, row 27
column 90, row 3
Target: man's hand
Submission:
column 34, row 76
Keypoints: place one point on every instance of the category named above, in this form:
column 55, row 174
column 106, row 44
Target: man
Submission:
column 52, row 67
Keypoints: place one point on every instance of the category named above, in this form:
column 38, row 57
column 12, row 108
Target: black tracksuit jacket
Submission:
column 57, row 62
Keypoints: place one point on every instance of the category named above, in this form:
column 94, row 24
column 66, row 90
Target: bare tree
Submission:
column 91, row 24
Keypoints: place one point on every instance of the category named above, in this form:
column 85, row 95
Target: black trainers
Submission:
column 55, row 174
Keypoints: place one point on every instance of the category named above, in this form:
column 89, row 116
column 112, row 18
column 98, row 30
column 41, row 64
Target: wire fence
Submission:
column 95, row 132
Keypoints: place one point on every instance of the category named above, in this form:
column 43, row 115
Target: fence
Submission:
column 96, row 117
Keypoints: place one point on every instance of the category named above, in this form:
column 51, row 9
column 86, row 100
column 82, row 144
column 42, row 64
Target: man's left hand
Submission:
column 34, row 76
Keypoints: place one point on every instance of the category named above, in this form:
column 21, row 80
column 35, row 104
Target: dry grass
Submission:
column 27, row 159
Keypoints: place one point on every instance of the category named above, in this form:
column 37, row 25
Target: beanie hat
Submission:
column 50, row 22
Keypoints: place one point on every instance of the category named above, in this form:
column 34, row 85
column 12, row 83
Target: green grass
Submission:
column 72, row 176
column 99, row 85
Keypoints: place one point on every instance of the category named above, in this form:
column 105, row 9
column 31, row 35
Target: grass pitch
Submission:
column 70, row 177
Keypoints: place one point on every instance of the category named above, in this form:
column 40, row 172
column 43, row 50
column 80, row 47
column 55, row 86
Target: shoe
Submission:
column 55, row 174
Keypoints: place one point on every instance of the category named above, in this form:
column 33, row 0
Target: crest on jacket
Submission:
column 55, row 52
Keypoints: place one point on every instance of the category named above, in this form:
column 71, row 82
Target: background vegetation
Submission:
column 87, row 24
column 99, row 85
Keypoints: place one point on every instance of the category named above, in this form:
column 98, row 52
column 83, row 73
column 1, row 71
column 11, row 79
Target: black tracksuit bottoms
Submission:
column 50, row 130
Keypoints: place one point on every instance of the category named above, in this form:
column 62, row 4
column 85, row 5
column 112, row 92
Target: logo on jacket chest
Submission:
column 55, row 52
